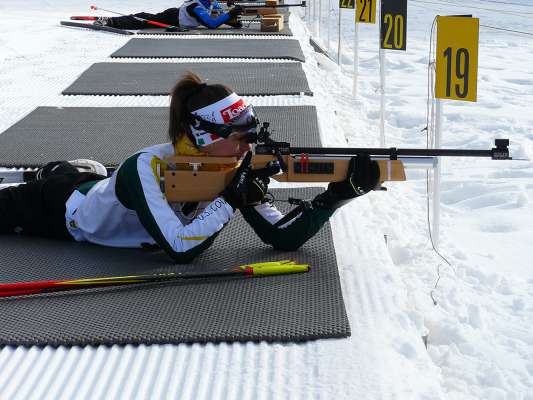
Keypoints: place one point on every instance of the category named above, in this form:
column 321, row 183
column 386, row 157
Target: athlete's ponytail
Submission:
column 190, row 94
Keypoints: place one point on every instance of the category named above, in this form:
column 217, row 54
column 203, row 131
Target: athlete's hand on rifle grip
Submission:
column 247, row 186
column 234, row 23
column 260, row 181
column 235, row 11
column 362, row 177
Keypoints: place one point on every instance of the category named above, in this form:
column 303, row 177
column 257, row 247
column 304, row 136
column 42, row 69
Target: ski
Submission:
column 14, row 176
column 168, row 28
column 96, row 27
column 10, row 176
column 83, row 18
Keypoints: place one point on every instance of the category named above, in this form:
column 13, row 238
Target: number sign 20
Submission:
column 457, row 58
column 393, row 24
column 350, row 4
column 366, row 11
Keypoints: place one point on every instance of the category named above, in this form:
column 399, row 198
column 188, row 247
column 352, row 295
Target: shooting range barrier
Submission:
column 211, row 48
column 292, row 308
column 111, row 134
column 157, row 79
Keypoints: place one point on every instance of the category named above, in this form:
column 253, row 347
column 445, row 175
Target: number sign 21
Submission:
column 366, row 11
column 457, row 58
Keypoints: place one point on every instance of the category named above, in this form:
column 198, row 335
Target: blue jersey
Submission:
column 198, row 12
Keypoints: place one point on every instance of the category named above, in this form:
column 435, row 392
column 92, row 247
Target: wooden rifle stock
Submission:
column 188, row 178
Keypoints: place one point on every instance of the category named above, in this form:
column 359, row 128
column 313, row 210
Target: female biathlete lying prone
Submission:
column 191, row 14
column 129, row 210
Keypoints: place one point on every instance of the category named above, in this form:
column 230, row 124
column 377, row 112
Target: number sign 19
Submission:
column 393, row 24
column 366, row 11
column 350, row 4
column 457, row 58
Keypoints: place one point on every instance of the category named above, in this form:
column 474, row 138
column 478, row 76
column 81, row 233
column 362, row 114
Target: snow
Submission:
column 480, row 344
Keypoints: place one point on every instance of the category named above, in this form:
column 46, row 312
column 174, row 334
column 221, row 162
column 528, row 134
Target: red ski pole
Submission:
column 155, row 23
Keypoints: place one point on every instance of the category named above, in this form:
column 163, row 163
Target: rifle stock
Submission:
column 193, row 178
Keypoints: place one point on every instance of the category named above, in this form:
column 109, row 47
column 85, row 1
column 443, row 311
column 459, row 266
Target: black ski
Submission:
column 23, row 175
column 96, row 27
column 16, row 176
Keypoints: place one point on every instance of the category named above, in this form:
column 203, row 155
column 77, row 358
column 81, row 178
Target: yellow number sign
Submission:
column 457, row 58
column 366, row 11
column 347, row 4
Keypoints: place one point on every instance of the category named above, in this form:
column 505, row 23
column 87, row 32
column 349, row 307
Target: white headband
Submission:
column 221, row 112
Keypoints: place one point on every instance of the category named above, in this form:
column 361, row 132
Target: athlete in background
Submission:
column 191, row 14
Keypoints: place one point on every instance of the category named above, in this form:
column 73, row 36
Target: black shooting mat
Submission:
column 293, row 307
column 157, row 79
column 111, row 134
column 247, row 29
column 211, row 48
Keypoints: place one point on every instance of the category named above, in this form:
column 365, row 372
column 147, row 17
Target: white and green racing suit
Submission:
column 130, row 210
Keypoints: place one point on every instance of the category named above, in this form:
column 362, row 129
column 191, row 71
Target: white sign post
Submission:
column 349, row 4
column 456, row 79
column 382, row 67
column 355, row 58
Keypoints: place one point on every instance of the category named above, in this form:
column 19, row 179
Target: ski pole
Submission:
column 248, row 270
column 155, row 23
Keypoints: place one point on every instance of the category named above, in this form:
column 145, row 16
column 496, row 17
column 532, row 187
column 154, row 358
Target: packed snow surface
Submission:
column 477, row 313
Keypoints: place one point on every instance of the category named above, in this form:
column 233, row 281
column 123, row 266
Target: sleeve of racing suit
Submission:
column 137, row 188
column 203, row 17
column 289, row 235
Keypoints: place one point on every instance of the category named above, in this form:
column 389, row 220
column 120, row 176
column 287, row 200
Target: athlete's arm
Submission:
column 203, row 17
column 137, row 188
column 289, row 235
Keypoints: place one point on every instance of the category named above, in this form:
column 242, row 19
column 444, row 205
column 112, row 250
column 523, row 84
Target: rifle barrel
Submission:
column 264, row 5
column 392, row 152
column 499, row 152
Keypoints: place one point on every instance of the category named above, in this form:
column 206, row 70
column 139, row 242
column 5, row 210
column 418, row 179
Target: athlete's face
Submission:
column 234, row 146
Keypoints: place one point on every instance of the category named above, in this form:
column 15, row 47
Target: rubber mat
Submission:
column 248, row 29
column 292, row 308
column 157, row 79
column 211, row 48
column 110, row 135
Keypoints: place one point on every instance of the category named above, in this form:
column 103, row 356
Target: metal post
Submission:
column 355, row 59
column 382, row 66
column 328, row 14
column 315, row 27
column 436, row 175
column 319, row 20
column 339, row 60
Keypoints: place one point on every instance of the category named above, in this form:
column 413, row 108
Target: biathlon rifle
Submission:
column 269, row 7
column 192, row 178
column 253, row 5
column 203, row 178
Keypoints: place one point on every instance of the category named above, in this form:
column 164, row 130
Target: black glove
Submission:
column 362, row 177
column 248, row 186
column 234, row 23
column 235, row 11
